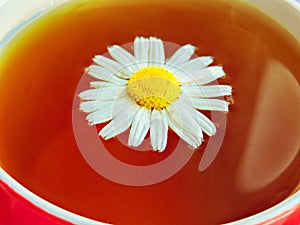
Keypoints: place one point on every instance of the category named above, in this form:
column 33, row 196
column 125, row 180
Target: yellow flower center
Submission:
column 153, row 87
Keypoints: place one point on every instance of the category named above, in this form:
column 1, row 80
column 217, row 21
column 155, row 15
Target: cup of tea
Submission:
column 149, row 112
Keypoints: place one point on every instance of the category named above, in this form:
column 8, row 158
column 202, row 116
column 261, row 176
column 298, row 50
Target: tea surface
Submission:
column 258, row 163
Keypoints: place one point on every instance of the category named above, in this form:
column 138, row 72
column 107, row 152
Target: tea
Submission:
column 257, row 166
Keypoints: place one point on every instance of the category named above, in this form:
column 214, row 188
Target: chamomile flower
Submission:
column 145, row 92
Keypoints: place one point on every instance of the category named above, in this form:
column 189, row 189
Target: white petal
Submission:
column 122, row 104
column 156, row 52
column 183, row 77
column 201, row 120
column 141, row 51
column 196, row 63
column 200, row 77
column 140, row 127
column 107, row 93
column 91, row 106
column 206, row 124
column 112, row 66
column 102, row 115
column 120, row 123
column 103, row 74
column 98, row 84
column 123, row 57
column 104, row 84
column 109, row 109
column 91, row 94
column 184, row 125
column 201, row 91
column 210, row 104
column 181, row 56
column 186, row 108
column 159, row 130
column 186, row 136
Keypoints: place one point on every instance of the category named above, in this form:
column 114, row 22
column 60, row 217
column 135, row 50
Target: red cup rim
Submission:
column 272, row 214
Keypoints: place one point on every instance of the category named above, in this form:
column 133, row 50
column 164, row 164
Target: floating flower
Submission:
column 147, row 92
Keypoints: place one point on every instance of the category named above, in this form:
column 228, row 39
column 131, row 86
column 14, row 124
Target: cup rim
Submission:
column 286, row 206
column 283, row 208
